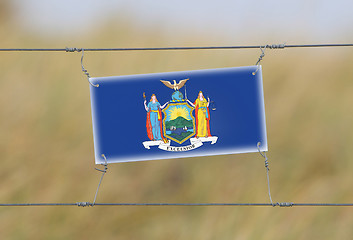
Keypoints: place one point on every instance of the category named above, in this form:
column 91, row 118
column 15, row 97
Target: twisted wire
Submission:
column 263, row 154
column 88, row 204
column 269, row 46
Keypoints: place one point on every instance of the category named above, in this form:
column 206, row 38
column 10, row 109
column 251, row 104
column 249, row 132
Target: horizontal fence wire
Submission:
column 88, row 204
column 270, row 46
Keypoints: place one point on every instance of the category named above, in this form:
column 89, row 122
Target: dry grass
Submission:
column 46, row 147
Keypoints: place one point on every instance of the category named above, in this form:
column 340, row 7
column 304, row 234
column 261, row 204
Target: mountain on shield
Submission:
column 179, row 122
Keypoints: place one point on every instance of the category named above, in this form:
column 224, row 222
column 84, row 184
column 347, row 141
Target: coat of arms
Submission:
column 183, row 120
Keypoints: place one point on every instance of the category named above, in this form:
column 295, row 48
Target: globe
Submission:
column 177, row 96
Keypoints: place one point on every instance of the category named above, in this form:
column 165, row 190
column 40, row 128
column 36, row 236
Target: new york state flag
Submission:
column 178, row 114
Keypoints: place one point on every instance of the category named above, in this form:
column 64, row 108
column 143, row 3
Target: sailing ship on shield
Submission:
column 179, row 123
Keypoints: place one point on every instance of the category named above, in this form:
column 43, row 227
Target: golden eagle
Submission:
column 175, row 86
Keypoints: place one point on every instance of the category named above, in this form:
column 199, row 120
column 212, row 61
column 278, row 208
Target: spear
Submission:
column 186, row 97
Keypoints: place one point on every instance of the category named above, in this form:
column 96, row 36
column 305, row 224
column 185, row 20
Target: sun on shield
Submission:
column 178, row 122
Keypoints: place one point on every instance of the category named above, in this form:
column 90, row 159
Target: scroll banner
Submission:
column 178, row 114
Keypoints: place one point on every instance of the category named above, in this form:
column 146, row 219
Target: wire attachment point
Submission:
column 285, row 204
column 84, row 204
column 277, row 46
column 85, row 71
column 67, row 49
column 105, row 164
column 262, row 55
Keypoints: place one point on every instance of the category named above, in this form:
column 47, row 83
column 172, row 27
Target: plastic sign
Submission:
column 178, row 114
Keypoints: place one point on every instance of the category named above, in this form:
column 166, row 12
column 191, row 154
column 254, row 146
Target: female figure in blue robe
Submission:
column 154, row 119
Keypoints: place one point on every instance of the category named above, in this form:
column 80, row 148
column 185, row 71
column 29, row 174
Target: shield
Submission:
column 178, row 122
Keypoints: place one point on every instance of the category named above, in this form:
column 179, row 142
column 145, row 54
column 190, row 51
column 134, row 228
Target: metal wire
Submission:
column 260, row 59
column 282, row 204
column 88, row 204
column 82, row 67
column 269, row 46
column 263, row 154
column 103, row 172
column 35, row 204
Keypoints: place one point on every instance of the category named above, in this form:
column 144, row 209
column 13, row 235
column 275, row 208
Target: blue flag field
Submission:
column 178, row 114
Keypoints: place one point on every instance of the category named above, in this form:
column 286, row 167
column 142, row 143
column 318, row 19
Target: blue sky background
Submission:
column 233, row 21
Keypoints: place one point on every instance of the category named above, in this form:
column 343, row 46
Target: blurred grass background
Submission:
column 46, row 144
